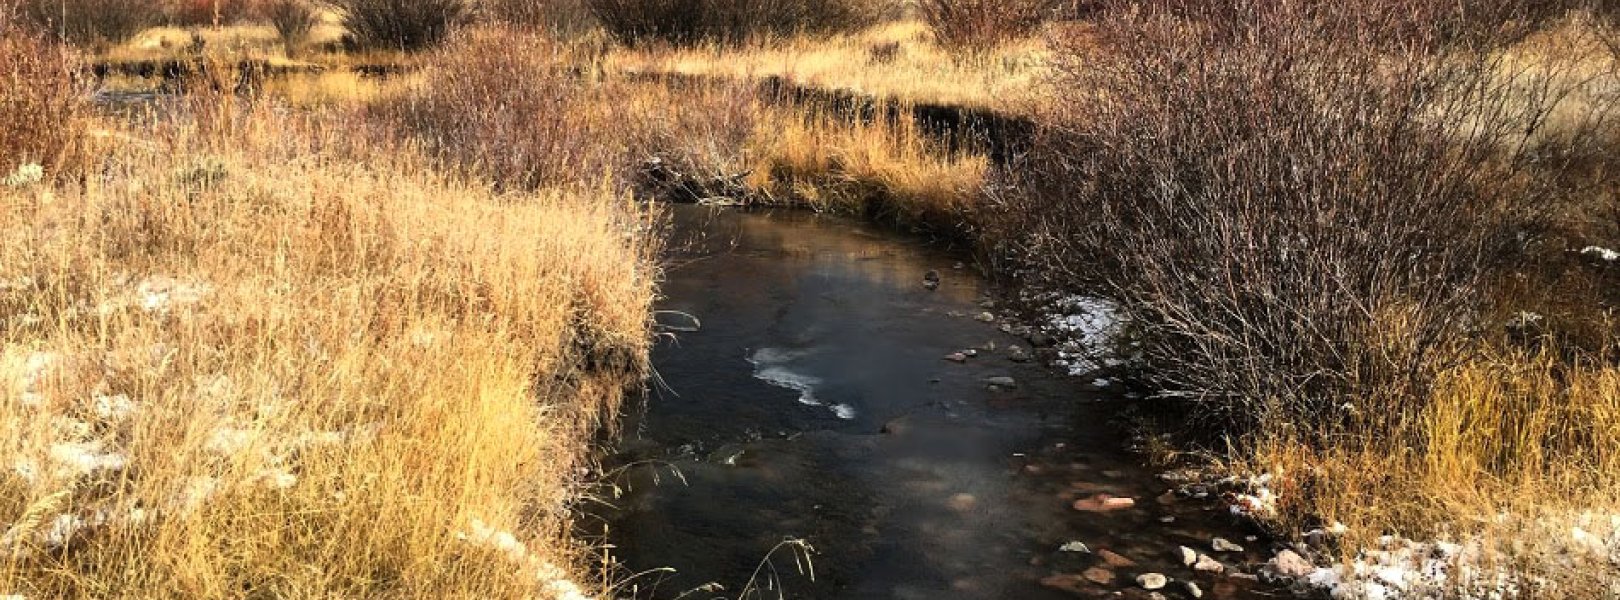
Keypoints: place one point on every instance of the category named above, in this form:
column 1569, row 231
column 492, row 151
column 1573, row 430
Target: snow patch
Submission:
column 1600, row 253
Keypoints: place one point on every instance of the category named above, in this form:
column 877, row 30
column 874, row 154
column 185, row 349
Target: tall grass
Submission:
column 254, row 356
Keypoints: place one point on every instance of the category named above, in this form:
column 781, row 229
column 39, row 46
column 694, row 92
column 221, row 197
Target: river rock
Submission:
column 1001, row 382
column 1222, row 545
column 1152, row 581
column 1017, row 354
column 1103, row 503
column 931, row 280
column 956, row 357
column 1193, row 589
column 1099, row 576
column 1291, row 565
column 897, row 426
column 985, row 317
column 963, row 503
column 1114, row 559
column 1040, row 339
column 1206, row 564
column 1188, row 556
column 1075, row 546
column 1065, row 583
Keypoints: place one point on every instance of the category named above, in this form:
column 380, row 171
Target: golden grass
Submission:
column 893, row 61
column 1516, row 449
column 235, row 366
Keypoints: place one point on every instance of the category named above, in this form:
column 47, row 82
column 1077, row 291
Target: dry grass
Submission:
column 252, row 357
column 897, row 61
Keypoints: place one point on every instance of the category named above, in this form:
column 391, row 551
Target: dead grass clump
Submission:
column 685, row 22
column 43, row 111
column 194, row 13
column 559, row 16
column 91, row 21
column 237, row 365
column 982, row 24
column 403, row 25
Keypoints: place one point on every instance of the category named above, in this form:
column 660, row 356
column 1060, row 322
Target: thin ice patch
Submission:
column 770, row 366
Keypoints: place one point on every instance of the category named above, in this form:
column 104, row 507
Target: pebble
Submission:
column 1075, row 547
column 1017, row 354
column 956, row 357
column 1188, row 556
column 1115, row 559
column 1103, row 503
column 1193, row 589
column 1223, row 545
column 1001, row 382
column 1290, row 564
column 1099, row 576
column 1152, row 581
column 1206, row 564
column 985, row 317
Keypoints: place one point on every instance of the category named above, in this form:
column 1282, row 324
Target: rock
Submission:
column 1291, row 565
column 1152, row 581
column 1222, row 545
column 1115, row 559
column 1001, row 382
column 1188, row 556
column 1017, row 354
column 1103, row 503
column 1041, row 340
column 956, row 357
column 985, row 317
column 1076, row 546
column 1206, row 564
column 970, row 352
column 931, row 277
column 963, row 503
column 1065, row 583
column 1099, row 576
column 1193, row 589
column 897, row 426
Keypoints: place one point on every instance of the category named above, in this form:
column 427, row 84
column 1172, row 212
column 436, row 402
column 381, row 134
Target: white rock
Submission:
column 1189, row 557
column 1603, row 254
column 1223, row 545
column 1076, row 546
column 1152, row 581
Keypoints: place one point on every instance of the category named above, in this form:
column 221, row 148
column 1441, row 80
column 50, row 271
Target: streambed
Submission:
column 814, row 403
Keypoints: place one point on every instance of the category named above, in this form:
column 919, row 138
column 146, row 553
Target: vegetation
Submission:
column 1348, row 238
column 90, row 21
column 980, row 24
column 404, row 25
column 685, row 22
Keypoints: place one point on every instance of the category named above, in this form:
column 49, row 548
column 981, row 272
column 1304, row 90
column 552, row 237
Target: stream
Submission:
column 814, row 403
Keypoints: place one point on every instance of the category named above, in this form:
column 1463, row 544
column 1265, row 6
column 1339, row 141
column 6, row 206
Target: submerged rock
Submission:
column 1152, row 581
column 1001, row 382
column 1099, row 576
column 1223, row 545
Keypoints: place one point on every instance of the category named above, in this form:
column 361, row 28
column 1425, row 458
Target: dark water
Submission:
column 814, row 404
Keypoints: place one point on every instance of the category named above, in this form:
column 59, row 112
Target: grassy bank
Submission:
column 248, row 352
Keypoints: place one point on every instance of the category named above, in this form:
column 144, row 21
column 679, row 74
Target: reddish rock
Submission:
column 1115, row 559
column 1099, row 576
column 1072, row 584
column 1103, row 503
column 956, row 357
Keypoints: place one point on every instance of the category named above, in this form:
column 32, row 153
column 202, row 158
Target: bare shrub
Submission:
column 978, row 24
column 91, row 21
column 192, row 13
column 293, row 20
column 42, row 104
column 695, row 21
column 407, row 25
column 563, row 16
column 498, row 103
column 1297, row 202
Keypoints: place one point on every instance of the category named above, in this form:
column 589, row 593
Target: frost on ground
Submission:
column 1088, row 330
column 1467, row 568
column 482, row 535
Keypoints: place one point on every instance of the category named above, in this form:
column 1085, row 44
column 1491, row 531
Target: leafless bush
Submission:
column 407, row 25
column 42, row 106
column 191, row 13
column 694, row 21
column 562, row 16
column 293, row 20
column 1297, row 202
column 978, row 24
column 498, row 104
column 91, row 21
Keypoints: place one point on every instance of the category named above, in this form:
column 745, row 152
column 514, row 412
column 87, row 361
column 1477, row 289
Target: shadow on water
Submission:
column 814, row 403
